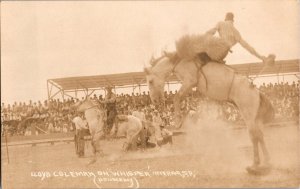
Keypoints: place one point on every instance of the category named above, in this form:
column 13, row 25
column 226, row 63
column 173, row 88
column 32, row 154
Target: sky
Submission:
column 42, row 40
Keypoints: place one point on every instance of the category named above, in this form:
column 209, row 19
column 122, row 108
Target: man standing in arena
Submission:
column 111, row 112
column 81, row 131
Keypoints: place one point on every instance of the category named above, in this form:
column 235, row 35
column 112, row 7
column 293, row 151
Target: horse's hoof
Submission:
column 160, row 143
column 92, row 161
column 259, row 170
column 100, row 154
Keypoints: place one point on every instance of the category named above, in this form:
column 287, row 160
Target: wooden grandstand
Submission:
column 70, row 86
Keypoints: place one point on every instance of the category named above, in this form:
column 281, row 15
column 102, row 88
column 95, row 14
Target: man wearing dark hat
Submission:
column 231, row 36
column 111, row 107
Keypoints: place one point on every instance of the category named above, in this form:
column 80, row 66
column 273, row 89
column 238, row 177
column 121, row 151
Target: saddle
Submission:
column 201, row 61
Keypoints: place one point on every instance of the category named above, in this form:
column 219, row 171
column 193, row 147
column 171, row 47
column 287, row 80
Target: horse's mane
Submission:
column 154, row 61
column 173, row 57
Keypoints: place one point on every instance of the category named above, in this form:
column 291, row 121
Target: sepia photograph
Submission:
column 150, row 94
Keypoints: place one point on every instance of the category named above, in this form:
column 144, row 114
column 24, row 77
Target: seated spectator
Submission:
column 28, row 132
column 50, row 127
column 65, row 130
column 55, row 115
column 57, row 129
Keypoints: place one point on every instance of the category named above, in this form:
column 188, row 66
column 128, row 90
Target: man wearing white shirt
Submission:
column 232, row 36
column 81, row 131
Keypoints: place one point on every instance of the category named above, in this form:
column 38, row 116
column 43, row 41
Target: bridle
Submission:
column 173, row 68
column 170, row 73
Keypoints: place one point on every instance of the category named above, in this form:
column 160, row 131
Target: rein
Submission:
column 175, row 65
column 233, row 77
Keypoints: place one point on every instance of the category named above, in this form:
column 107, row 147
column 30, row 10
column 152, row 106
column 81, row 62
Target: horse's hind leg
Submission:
column 96, row 141
column 257, row 138
column 96, row 146
column 263, row 147
column 265, row 151
column 134, row 142
column 253, row 132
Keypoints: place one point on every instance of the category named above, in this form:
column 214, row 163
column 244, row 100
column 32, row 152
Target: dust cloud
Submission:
column 223, row 149
column 216, row 148
column 217, row 144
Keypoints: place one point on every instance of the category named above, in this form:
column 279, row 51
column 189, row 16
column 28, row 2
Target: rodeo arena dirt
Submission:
column 211, row 149
column 189, row 120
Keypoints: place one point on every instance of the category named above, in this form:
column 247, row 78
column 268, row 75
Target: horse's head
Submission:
column 156, row 77
column 156, row 86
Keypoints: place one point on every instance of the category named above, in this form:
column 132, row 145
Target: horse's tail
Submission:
column 265, row 111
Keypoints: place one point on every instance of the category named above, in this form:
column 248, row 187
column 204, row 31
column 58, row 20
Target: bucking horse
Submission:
column 220, row 82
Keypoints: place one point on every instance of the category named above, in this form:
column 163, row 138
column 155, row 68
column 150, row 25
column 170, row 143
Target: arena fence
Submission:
column 70, row 138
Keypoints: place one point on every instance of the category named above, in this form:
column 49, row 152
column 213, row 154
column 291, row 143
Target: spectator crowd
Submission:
column 55, row 116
